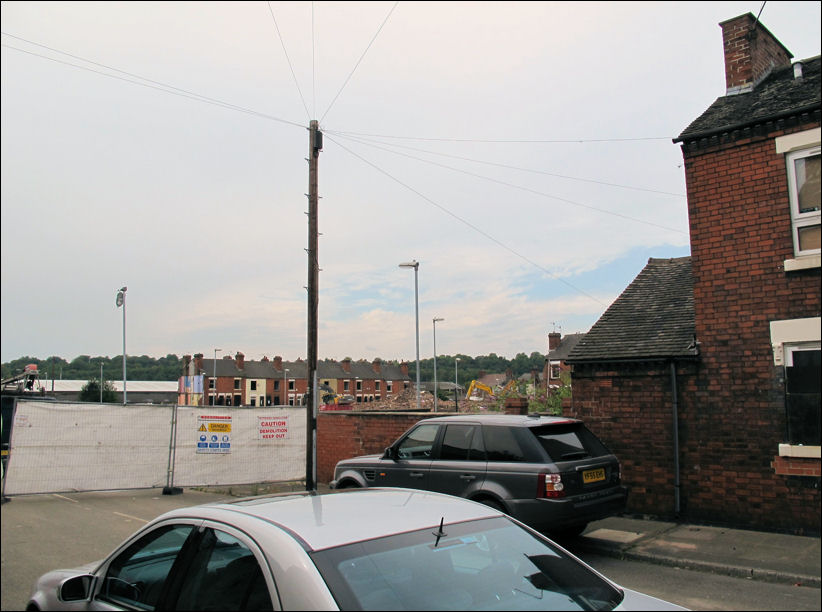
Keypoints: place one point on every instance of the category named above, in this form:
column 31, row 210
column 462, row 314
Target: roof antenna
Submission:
column 439, row 533
column 753, row 27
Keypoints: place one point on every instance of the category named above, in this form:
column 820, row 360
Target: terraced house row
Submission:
column 233, row 381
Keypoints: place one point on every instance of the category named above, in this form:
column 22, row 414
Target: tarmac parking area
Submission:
column 45, row 532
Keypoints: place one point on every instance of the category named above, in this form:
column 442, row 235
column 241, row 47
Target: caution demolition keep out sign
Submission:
column 273, row 428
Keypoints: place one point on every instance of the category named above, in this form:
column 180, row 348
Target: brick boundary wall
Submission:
column 342, row 435
column 797, row 466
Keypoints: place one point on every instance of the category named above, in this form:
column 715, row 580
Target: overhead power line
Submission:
column 509, row 140
column 509, row 167
column 287, row 59
column 360, row 60
column 467, row 223
column 143, row 81
column 527, row 189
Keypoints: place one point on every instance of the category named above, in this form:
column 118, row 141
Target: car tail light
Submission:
column 550, row 485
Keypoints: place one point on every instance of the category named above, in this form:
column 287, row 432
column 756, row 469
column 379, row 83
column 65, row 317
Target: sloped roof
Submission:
column 652, row 319
column 566, row 345
column 778, row 95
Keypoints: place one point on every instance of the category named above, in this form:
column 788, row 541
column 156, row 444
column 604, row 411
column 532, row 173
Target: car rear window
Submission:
column 487, row 564
column 568, row 442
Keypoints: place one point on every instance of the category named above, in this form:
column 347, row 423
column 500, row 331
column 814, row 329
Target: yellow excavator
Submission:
column 489, row 392
column 478, row 386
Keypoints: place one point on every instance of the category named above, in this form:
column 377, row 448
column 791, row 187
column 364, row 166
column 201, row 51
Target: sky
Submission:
column 521, row 152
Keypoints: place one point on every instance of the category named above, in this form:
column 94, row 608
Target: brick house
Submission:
column 236, row 382
column 558, row 350
column 717, row 419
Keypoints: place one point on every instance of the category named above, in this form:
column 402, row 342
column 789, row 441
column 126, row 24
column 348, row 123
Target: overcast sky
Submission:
column 521, row 152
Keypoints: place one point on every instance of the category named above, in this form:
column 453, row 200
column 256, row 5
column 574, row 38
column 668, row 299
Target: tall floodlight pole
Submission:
column 456, row 384
column 315, row 145
column 121, row 301
column 416, row 265
column 101, row 382
column 214, row 401
column 435, row 362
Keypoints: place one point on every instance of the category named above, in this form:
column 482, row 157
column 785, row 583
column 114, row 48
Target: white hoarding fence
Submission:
column 58, row 447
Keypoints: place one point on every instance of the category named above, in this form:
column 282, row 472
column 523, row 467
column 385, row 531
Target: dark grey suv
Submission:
column 551, row 473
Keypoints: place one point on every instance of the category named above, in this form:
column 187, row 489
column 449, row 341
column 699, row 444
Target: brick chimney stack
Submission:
column 404, row 368
column 198, row 363
column 240, row 360
column 751, row 53
column 553, row 340
column 377, row 365
column 278, row 363
column 346, row 365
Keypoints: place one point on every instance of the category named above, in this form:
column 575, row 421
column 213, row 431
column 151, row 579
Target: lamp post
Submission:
column 121, row 301
column 456, row 384
column 416, row 265
column 101, row 382
column 214, row 401
column 285, row 387
column 435, row 362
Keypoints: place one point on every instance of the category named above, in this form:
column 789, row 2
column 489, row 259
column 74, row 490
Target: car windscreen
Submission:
column 487, row 564
column 568, row 442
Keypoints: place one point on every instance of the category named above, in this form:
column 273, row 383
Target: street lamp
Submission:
column 435, row 361
column 416, row 265
column 285, row 387
column 214, row 401
column 456, row 384
column 121, row 301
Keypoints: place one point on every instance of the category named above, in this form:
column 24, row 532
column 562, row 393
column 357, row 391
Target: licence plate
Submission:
column 593, row 475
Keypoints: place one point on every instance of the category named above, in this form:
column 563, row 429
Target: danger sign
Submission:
column 213, row 434
column 272, row 428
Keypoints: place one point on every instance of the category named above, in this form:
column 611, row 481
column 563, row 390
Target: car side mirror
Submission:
column 76, row 588
column 390, row 453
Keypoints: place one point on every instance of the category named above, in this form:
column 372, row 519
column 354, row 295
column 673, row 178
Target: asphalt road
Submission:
column 45, row 532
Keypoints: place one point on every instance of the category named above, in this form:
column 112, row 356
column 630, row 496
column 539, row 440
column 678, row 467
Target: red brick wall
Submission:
column 341, row 435
column 732, row 403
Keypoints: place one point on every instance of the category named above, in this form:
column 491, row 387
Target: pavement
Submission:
column 757, row 555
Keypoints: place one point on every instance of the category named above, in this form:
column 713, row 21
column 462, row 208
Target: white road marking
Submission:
column 128, row 516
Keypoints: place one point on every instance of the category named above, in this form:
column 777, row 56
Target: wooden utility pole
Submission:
column 315, row 145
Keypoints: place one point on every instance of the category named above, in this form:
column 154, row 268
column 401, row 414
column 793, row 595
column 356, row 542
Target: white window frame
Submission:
column 798, row 219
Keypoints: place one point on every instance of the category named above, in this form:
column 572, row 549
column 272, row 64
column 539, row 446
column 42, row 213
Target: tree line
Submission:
column 170, row 367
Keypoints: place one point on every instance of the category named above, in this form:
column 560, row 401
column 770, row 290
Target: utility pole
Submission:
column 315, row 145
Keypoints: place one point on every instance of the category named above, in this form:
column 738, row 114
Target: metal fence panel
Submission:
column 265, row 445
column 74, row 446
column 58, row 446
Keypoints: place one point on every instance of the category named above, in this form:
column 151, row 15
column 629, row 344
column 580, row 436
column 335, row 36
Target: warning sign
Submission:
column 272, row 428
column 213, row 434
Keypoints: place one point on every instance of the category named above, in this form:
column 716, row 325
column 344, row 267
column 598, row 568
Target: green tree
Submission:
column 90, row 392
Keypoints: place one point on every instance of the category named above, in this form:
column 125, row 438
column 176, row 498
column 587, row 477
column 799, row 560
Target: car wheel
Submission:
column 348, row 484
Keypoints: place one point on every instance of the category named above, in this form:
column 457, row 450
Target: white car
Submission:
column 365, row 549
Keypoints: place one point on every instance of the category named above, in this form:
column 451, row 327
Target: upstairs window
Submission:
column 804, row 184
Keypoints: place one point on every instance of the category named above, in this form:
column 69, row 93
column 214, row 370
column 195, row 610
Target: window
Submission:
column 290, row 385
column 418, row 443
column 502, row 445
column 555, row 370
column 346, row 385
column 237, row 383
column 803, row 364
column 389, row 386
column 376, row 385
column 224, row 575
column 804, row 185
column 359, row 385
column 136, row 577
column 462, row 443
column 211, row 382
column 253, row 385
